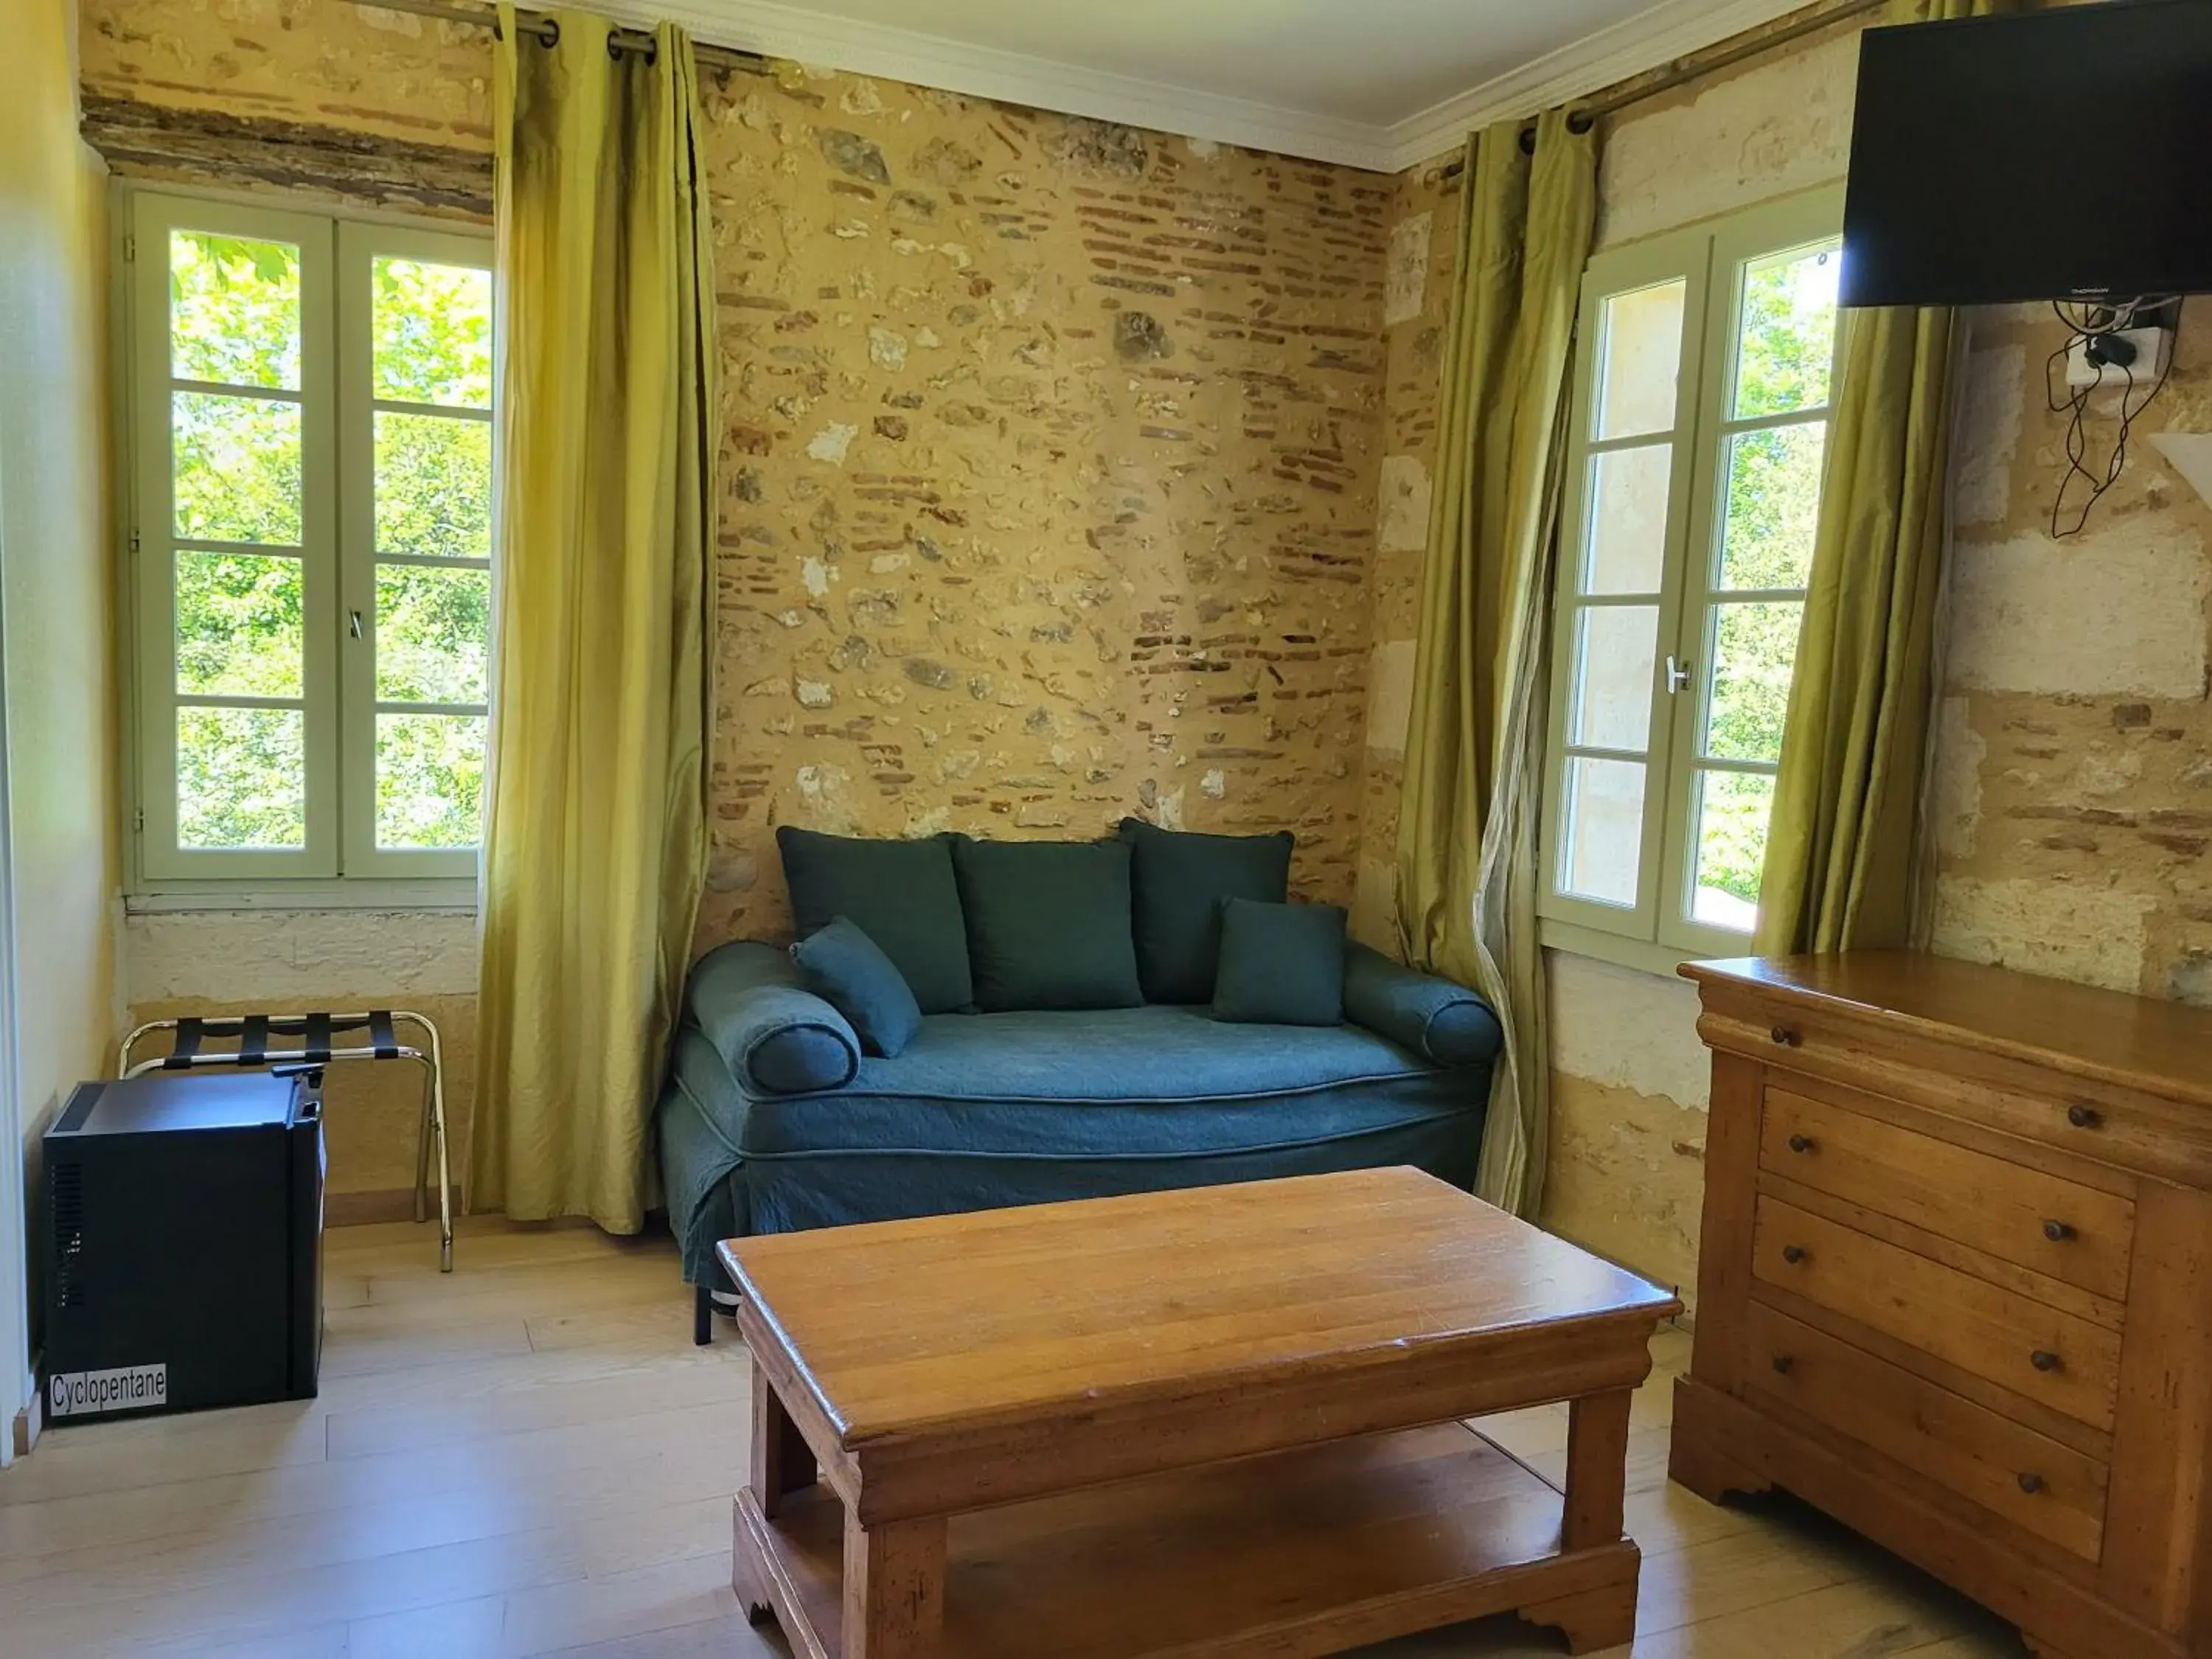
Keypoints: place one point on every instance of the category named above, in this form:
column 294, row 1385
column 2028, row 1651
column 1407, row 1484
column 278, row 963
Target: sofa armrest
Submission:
column 1444, row 1024
column 776, row 1036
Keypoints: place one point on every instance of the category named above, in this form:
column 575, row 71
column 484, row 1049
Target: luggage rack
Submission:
column 317, row 1048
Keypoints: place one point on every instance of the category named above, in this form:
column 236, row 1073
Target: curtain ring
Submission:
column 548, row 32
column 1582, row 121
column 1528, row 141
column 616, row 47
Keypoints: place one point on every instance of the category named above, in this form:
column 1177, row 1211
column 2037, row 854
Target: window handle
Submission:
column 353, row 623
column 1678, row 675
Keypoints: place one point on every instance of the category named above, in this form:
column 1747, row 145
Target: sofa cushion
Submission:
column 902, row 893
column 1441, row 1022
column 1281, row 964
column 849, row 970
column 1048, row 923
column 1029, row 1107
column 773, row 1035
column 1178, row 880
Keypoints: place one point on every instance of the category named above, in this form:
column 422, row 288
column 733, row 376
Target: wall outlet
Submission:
column 2153, row 349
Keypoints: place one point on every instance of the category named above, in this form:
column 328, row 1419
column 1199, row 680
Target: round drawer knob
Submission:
column 1801, row 1143
column 1783, row 1362
column 2044, row 1360
column 1793, row 1254
column 1783, row 1037
column 2083, row 1117
column 2056, row 1231
column 2031, row 1484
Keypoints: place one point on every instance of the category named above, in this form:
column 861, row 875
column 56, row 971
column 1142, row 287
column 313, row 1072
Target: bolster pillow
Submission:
column 1444, row 1024
column 776, row 1037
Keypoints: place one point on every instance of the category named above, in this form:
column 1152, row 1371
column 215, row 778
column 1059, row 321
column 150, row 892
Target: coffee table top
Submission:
column 902, row 1328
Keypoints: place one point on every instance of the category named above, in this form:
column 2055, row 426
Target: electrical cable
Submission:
column 2088, row 324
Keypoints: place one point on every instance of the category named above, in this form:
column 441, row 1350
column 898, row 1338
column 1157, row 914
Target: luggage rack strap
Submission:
column 254, row 1030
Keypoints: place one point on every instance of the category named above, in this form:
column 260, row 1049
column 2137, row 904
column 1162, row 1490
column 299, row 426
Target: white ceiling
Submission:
column 1377, row 83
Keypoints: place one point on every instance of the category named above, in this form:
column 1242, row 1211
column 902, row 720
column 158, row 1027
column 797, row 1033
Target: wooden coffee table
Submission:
column 1010, row 1433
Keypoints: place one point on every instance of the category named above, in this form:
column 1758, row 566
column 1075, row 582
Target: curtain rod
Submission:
column 548, row 31
column 1589, row 114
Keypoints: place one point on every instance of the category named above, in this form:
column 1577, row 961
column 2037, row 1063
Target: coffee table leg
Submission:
column 1597, row 1477
column 894, row 1588
column 1597, row 1470
column 782, row 1461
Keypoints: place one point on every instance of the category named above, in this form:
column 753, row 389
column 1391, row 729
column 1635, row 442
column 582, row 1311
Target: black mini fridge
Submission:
column 183, row 1243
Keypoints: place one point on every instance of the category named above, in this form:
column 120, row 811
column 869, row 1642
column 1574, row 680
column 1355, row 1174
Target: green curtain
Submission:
column 595, row 821
column 1844, row 846
column 1466, row 885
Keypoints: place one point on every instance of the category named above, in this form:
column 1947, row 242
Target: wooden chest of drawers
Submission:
column 1955, row 1283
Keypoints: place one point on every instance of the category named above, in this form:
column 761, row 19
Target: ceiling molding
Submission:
column 1669, row 30
column 819, row 40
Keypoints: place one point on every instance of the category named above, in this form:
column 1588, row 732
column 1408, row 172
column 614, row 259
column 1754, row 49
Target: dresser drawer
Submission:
column 2056, row 1359
column 2110, row 1122
column 2052, row 1491
column 2072, row 1232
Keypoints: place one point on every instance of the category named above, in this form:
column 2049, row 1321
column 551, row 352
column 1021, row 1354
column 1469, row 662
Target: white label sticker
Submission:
column 83, row 1394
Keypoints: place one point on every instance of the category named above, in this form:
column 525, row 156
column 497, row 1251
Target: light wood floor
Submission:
column 530, row 1457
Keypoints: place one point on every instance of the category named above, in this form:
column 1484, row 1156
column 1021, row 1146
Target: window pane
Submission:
column 430, row 779
column 240, row 626
column 1604, row 829
column 433, row 486
column 431, row 627
column 1788, row 332
column 1754, row 649
column 1731, row 846
column 1627, row 520
column 1614, row 647
column 241, row 777
column 433, row 333
column 234, row 310
column 235, row 466
column 1643, row 334
column 1773, row 507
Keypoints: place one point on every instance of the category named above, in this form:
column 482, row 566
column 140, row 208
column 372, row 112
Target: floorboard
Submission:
column 528, row 1456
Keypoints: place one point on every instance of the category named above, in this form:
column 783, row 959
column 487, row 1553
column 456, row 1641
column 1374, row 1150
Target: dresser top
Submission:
column 2138, row 1041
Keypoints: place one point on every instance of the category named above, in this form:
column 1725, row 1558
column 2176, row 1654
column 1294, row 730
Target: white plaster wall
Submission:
column 1627, row 1028
column 2120, row 609
column 1782, row 126
column 299, row 958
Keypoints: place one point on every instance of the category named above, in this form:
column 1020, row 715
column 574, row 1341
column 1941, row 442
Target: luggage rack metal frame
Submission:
column 316, row 1031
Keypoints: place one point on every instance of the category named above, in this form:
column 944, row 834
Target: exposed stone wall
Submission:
column 385, row 74
column 2074, row 769
column 1050, row 460
column 1050, row 478
column 1424, row 237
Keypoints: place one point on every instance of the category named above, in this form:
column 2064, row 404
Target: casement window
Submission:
column 1694, row 468
column 310, row 528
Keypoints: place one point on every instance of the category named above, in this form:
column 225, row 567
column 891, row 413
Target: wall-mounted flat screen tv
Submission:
column 2044, row 155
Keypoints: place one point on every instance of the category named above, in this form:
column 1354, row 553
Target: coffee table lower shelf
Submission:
column 1303, row 1552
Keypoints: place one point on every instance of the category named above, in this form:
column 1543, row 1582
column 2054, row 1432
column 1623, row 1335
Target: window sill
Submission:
column 454, row 894
column 1641, row 955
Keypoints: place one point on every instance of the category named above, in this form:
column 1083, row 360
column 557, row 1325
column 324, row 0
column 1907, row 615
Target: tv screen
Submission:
column 2050, row 155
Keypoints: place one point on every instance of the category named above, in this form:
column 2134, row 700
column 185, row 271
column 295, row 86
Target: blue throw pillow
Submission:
column 850, row 971
column 1281, row 964
column 1178, row 878
column 902, row 891
column 1048, row 923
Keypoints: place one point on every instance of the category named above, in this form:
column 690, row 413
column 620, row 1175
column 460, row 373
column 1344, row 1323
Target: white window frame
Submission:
column 1659, row 928
column 337, row 547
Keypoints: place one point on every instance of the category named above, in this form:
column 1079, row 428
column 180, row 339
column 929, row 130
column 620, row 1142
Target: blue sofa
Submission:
column 774, row 1119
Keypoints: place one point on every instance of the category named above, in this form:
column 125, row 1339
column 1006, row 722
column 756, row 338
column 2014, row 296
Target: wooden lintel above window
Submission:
column 212, row 148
